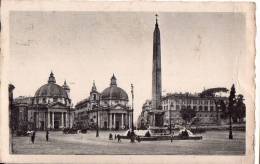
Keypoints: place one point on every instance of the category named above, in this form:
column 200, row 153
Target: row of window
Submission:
column 199, row 108
column 198, row 115
column 189, row 101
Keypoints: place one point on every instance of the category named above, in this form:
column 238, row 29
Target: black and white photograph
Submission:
column 129, row 82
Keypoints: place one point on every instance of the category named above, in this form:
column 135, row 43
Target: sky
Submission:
column 198, row 50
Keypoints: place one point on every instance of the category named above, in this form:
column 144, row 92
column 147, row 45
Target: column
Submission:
column 110, row 121
column 114, row 126
column 129, row 121
column 154, row 120
column 62, row 120
column 53, row 120
column 99, row 120
column 65, row 123
column 49, row 120
column 67, row 119
column 122, row 121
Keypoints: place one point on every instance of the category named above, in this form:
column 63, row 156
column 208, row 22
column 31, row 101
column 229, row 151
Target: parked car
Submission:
column 70, row 131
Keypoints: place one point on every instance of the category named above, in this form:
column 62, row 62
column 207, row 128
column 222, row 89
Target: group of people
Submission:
column 32, row 135
column 116, row 136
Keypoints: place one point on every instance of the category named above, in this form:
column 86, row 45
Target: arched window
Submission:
column 200, row 108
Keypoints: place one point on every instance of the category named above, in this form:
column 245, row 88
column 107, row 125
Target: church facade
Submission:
column 49, row 108
column 108, row 109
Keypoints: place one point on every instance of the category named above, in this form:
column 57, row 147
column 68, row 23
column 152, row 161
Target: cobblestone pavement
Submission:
column 213, row 142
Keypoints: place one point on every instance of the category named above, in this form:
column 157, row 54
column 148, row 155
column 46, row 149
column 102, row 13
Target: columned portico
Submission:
column 67, row 120
column 49, row 120
column 114, row 123
column 110, row 121
column 122, row 122
column 62, row 120
column 129, row 120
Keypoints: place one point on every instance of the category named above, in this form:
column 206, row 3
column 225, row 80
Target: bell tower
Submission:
column 66, row 88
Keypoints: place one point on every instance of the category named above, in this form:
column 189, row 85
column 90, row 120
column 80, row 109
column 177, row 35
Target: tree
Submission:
column 195, row 121
column 224, row 111
column 240, row 108
column 187, row 113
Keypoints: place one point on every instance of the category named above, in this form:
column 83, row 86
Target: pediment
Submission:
column 57, row 105
column 119, row 106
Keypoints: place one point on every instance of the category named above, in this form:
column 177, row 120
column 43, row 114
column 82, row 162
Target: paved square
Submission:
column 213, row 143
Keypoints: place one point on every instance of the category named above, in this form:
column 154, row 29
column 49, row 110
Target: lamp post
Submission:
column 132, row 133
column 132, row 92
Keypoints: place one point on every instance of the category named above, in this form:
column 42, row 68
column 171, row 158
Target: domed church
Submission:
column 112, row 105
column 51, row 106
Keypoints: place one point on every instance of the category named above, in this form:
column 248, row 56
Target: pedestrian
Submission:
column 171, row 138
column 47, row 135
column 30, row 136
column 115, row 136
column 110, row 136
column 118, row 138
column 138, row 138
column 33, row 136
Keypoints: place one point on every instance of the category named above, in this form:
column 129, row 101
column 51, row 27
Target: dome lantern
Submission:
column 113, row 81
column 51, row 78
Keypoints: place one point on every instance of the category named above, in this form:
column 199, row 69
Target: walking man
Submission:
column 33, row 137
column 118, row 138
column 171, row 138
column 47, row 135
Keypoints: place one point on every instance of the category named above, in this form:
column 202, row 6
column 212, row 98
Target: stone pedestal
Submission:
column 156, row 118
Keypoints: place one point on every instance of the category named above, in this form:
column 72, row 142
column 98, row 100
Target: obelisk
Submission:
column 157, row 113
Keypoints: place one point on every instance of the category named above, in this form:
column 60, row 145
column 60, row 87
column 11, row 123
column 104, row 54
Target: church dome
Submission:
column 114, row 92
column 51, row 89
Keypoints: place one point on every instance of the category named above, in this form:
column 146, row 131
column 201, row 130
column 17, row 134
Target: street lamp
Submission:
column 132, row 92
column 132, row 133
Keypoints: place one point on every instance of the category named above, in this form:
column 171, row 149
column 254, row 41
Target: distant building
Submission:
column 206, row 107
column 112, row 105
column 49, row 108
column 143, row 121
